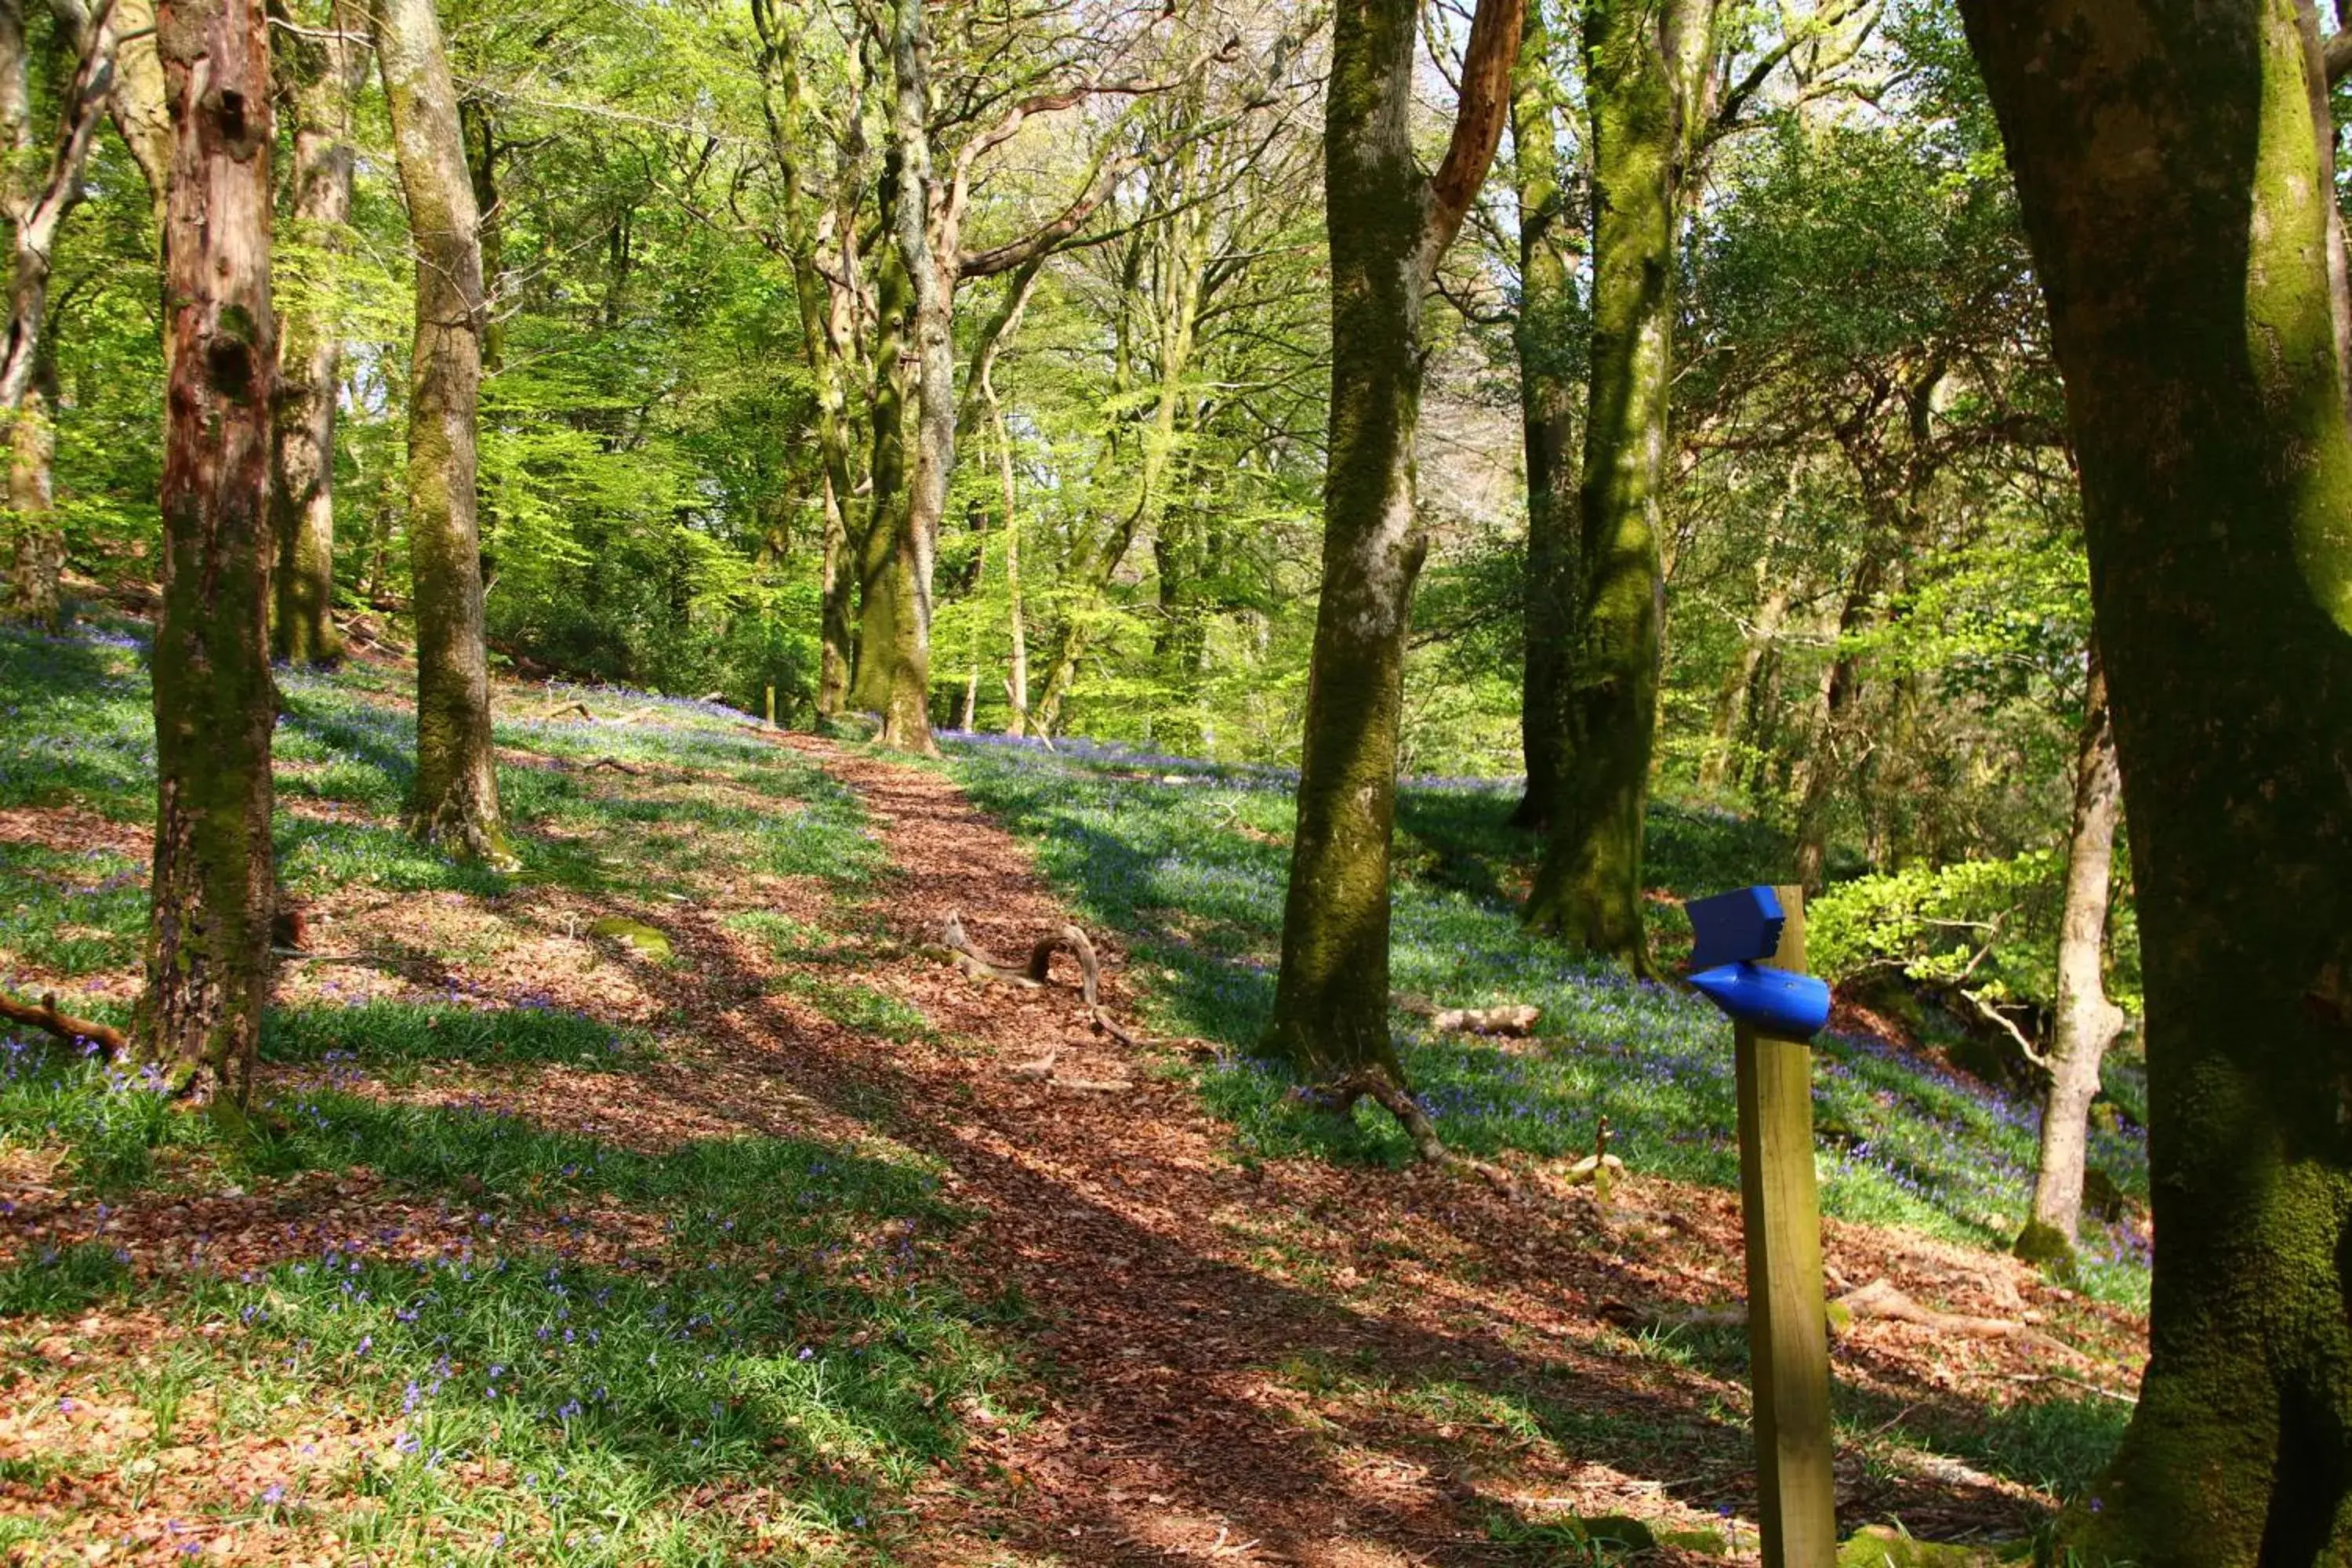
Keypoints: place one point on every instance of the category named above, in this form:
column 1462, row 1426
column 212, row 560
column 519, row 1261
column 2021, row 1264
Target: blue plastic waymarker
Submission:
column 1733, row 931
column 1733, row 927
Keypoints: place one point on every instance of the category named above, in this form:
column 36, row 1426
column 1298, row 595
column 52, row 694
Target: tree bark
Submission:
column 35, row 213
column 322, row 69
column 1645, row 77
column 1388, row 225
column 1840, row 687
column 2087, row 1022
column 135, row 98
column 2170, row 189
column 455, row 799
column 213, row 887
column 1547, row 421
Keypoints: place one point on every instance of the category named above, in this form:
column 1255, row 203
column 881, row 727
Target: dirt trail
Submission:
column 1298, row 1363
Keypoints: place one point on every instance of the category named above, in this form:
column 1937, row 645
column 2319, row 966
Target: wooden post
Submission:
column 1787, row 1322
column 771, row 707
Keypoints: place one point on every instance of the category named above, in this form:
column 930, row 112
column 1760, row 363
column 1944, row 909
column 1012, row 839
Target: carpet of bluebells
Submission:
column 1189, row 860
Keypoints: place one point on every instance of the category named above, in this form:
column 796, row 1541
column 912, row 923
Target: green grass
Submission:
column 53, row 1282
column 383, row 1032
column 1194, row 873
column 72, row 914
column 859, row 1007
column 788, row 1332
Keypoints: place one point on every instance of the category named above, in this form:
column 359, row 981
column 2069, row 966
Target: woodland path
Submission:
column 1193, row 1303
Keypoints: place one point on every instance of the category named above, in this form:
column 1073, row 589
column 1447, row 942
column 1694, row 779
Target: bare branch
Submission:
column 1478, row 120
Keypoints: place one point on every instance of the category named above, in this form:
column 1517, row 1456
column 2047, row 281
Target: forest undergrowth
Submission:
column 671, row 1200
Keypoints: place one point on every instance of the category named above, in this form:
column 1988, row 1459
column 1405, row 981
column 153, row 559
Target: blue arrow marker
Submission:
column 1771, row 1000
column 1732, row 930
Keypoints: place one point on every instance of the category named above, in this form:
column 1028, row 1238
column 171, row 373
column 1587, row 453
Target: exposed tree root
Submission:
column 64, row 1025
column 1340, row 1097
column 1069, row 938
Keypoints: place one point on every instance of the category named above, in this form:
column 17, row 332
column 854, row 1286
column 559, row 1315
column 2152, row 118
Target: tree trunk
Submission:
column 1646, row 71
column 2170, row 190
column 1182, row 281
column 899, row 646
column 1016, row 685
column 2087, row 1022
column 34, row 212
column 1840, row 687
column 1733, row 698
column 882, row 596
column 1548, row 417
column 1388, row 225
column 322, row 69
column 134, row 98
column 454, row 801
column 213, row 887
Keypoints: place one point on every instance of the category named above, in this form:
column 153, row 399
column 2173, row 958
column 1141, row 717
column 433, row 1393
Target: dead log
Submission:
column 74, row 1031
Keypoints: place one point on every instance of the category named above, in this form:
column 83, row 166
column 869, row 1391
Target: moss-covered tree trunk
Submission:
column 36, row 194
column 1388, row 224
column 827, row 301
column 884, row 596
column 1543, row 338
column 322, row 66
column 1646, row 71
column 455, row 800
column 2088, row 1023
column 213, row 888
column 2171, row 191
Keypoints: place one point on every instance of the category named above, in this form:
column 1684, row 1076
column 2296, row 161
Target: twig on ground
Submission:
column 2084, row 1383
column 64, row 1025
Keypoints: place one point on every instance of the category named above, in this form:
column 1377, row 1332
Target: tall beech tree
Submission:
column 1655, row 100
column 1646, row 72
column 213, row 888
column 2171, row 191
column 1389, row 224
column 322, row 69
column 455, row 803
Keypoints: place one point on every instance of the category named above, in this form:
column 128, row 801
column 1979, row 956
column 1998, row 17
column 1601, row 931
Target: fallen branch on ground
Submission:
column 617, row 766
column 1339, row 1098
column 64, row 1025
column 977, row 965
column 559, row 710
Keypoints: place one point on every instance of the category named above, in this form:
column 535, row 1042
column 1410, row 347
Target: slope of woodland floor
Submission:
column 676, row 1200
